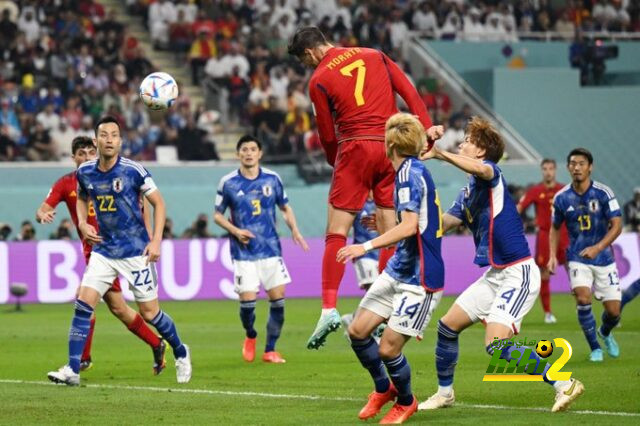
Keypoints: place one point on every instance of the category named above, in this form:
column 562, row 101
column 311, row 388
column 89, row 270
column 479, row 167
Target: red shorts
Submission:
column 542, row 250
column 87, row 254
column 362, row 166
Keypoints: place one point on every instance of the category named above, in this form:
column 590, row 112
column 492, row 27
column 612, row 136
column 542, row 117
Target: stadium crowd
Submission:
column 65, row 63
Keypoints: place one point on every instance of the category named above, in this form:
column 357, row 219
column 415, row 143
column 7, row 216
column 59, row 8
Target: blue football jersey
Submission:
column 487, row 209
column 418, row 259
column 253, row 207
column 361, row 234
column 587, row 217
column 117, row 197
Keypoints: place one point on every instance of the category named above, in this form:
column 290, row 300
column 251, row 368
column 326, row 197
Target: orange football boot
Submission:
column 376, row 402
column 273, row 357
column 400, row 413
column 249, row 349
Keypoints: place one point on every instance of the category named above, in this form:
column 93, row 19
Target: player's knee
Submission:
column 388, row 351
column 583, row 299
column 356, row 331
column 119, row 311
column 613, row 311
column 148, row 315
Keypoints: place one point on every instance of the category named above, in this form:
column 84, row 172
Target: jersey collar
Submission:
column 97, row 166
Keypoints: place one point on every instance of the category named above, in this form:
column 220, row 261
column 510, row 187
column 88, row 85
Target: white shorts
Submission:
column 603, row 279
column 248, row 274
column 503, row 295
column 142, row 278
column 408, row 308
column 366, row 271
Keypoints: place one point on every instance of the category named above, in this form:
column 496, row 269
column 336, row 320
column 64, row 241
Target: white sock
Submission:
column 445, row 391
column 561, row 385
column 327, row 311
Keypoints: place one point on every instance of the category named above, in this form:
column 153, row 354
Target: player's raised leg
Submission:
column 136, row 324
column 339, row 224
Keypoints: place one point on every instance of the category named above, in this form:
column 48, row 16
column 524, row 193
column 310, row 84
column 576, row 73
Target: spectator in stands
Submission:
column 27, row 232
column 48, row 117
column 192, row 145
column 189, row 10
column 40, row 146
column 398, row 29
column 603, row 13
column 29, row 26
column 238, row 94
column 5, row 231
column 621, row 18
column 8, row 28
column 9, row 118
column 199, row 228
column 438, row 103
column 270, row 126
column 453, row 136
column 65, row 231
column 464, row 114
column 424, row 20
column 162, row 14
column 474, row 29
column 7, row 147
column 62, row 136
column 180, row 34
column 632, row 212
column 451, row 27
column 202, row 49
column 167, row 232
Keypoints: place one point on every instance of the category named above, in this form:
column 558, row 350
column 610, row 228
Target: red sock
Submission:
column 383, row 258
column 86, row 353
column 142, row 330
column 545, row 295
column 332, row 270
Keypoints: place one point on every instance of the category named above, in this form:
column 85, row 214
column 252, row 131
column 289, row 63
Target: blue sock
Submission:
column 608, row 323
column 446, row 354
column 531, row 367
column 367, row 352
column 167, row 329
column 248, row 317
column 400, row 373
column 630, row 293
column 588, row 324
column 274, row 325
column 78, row 333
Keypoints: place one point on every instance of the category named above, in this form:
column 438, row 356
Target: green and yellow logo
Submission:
column 501, row 371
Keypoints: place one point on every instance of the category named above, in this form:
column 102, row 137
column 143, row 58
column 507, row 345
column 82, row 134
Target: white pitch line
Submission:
column 307, row 397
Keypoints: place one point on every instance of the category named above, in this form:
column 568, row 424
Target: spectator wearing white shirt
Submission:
column 235, row 58
column 494, row 29
column 285, row 27
column 281, row 9
column 424, row 20
column 30, row 26
column 190, row 10
column 603, row 13
column 451, row 27
column 621, row 20
column 48, row 117
column 161, row 14
column 398, row 30
column 279, row 85
column 473, row 30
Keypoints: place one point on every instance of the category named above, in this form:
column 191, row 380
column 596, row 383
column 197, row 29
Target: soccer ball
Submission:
column 544, row 348
column 158, row 91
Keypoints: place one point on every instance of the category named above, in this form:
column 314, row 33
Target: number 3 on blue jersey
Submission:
column 257, row 209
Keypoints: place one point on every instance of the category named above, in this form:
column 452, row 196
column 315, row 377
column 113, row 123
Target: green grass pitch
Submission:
column 314, row 387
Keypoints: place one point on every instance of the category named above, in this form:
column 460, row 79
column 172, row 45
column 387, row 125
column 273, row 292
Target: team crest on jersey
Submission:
column 593, row 206
column 267, row 191
column 118, row 185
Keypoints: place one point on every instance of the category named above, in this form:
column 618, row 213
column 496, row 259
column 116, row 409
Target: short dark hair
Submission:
column 80, row 142
column 547, row 161
column 248, row 138
column 306, row 38
column 581, row 151
column 107, row 119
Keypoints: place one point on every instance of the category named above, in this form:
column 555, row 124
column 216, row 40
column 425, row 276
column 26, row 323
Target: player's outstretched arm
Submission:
column 449, row 222
column 243, row 235
column 45, row 213
column 469, row 165
column 290, row 219
column 615, row 228
column 407, row 227
column 159, row 216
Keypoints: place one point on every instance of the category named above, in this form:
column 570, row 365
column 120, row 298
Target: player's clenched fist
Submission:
column 244, row 236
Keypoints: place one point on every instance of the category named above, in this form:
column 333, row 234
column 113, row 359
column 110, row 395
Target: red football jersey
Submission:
column 352, row 91
column 65, row 189
column 542, row 197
